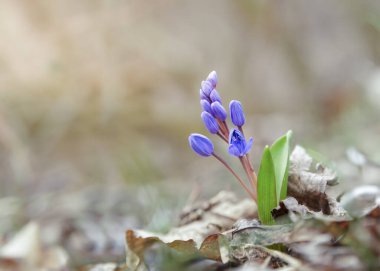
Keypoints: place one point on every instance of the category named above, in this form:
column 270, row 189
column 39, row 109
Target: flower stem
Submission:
column 227, row 129
column 223, row 129
column 251, row 193
column 221, row 135
column 248, row 165
column 249, row 171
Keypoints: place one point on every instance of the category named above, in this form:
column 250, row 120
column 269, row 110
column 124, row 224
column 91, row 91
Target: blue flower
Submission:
column 237, row 144
column 237, row 113
column 218, row 111
column 210, row 122
column 201, row 145
column 213, row 78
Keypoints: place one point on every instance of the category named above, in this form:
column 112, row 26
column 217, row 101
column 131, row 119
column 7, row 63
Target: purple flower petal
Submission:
column 237, row 144
column 233, row 150
column 249, row 145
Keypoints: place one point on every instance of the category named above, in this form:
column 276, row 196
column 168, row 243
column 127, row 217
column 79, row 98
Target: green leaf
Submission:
column 280, row 154
column 266, row 188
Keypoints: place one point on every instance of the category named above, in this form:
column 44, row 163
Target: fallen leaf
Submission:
column 309, row 188
column 290, row 204
column 252, row 232
column 210, row 247
column 258, row 255
column 262, row 258
column 318, row 243
column 200, row 234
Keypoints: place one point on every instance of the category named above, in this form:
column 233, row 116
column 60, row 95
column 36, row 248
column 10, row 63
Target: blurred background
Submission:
column 97, row 99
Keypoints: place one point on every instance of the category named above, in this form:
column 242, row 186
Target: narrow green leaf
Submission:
column 280, row 155
column 266, row 188
column 284, row 186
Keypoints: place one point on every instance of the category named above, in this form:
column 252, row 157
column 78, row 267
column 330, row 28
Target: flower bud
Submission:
column 202, row 96
column 210, row 122
column 206, row 87
column 201, row 145
column 213, row 78
column 215, row 97
column 218, row 111
column 237, row 113
column 206, row 106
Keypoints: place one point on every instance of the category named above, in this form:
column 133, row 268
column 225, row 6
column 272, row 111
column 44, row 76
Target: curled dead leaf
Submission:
column 308, row 187
column 290, row 204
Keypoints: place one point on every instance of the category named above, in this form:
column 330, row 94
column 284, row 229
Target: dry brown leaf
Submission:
column 262, row 258
column 247, row 243
column 198, row 235
column 210, row 247
column 290, row 204
column 317, row 242
column 258, row 255
column 309, row 188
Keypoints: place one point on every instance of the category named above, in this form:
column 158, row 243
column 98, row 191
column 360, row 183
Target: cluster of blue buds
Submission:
column 214, row 117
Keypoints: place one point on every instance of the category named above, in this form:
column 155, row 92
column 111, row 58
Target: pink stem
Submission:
column 252, row 171
column 222, row 137
column 249, row 171
column 251, row 193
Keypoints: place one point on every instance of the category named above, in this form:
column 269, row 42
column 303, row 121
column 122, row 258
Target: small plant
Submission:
column 270, row 186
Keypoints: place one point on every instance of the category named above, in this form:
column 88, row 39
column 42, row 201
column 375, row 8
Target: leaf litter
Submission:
column 313, row 230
